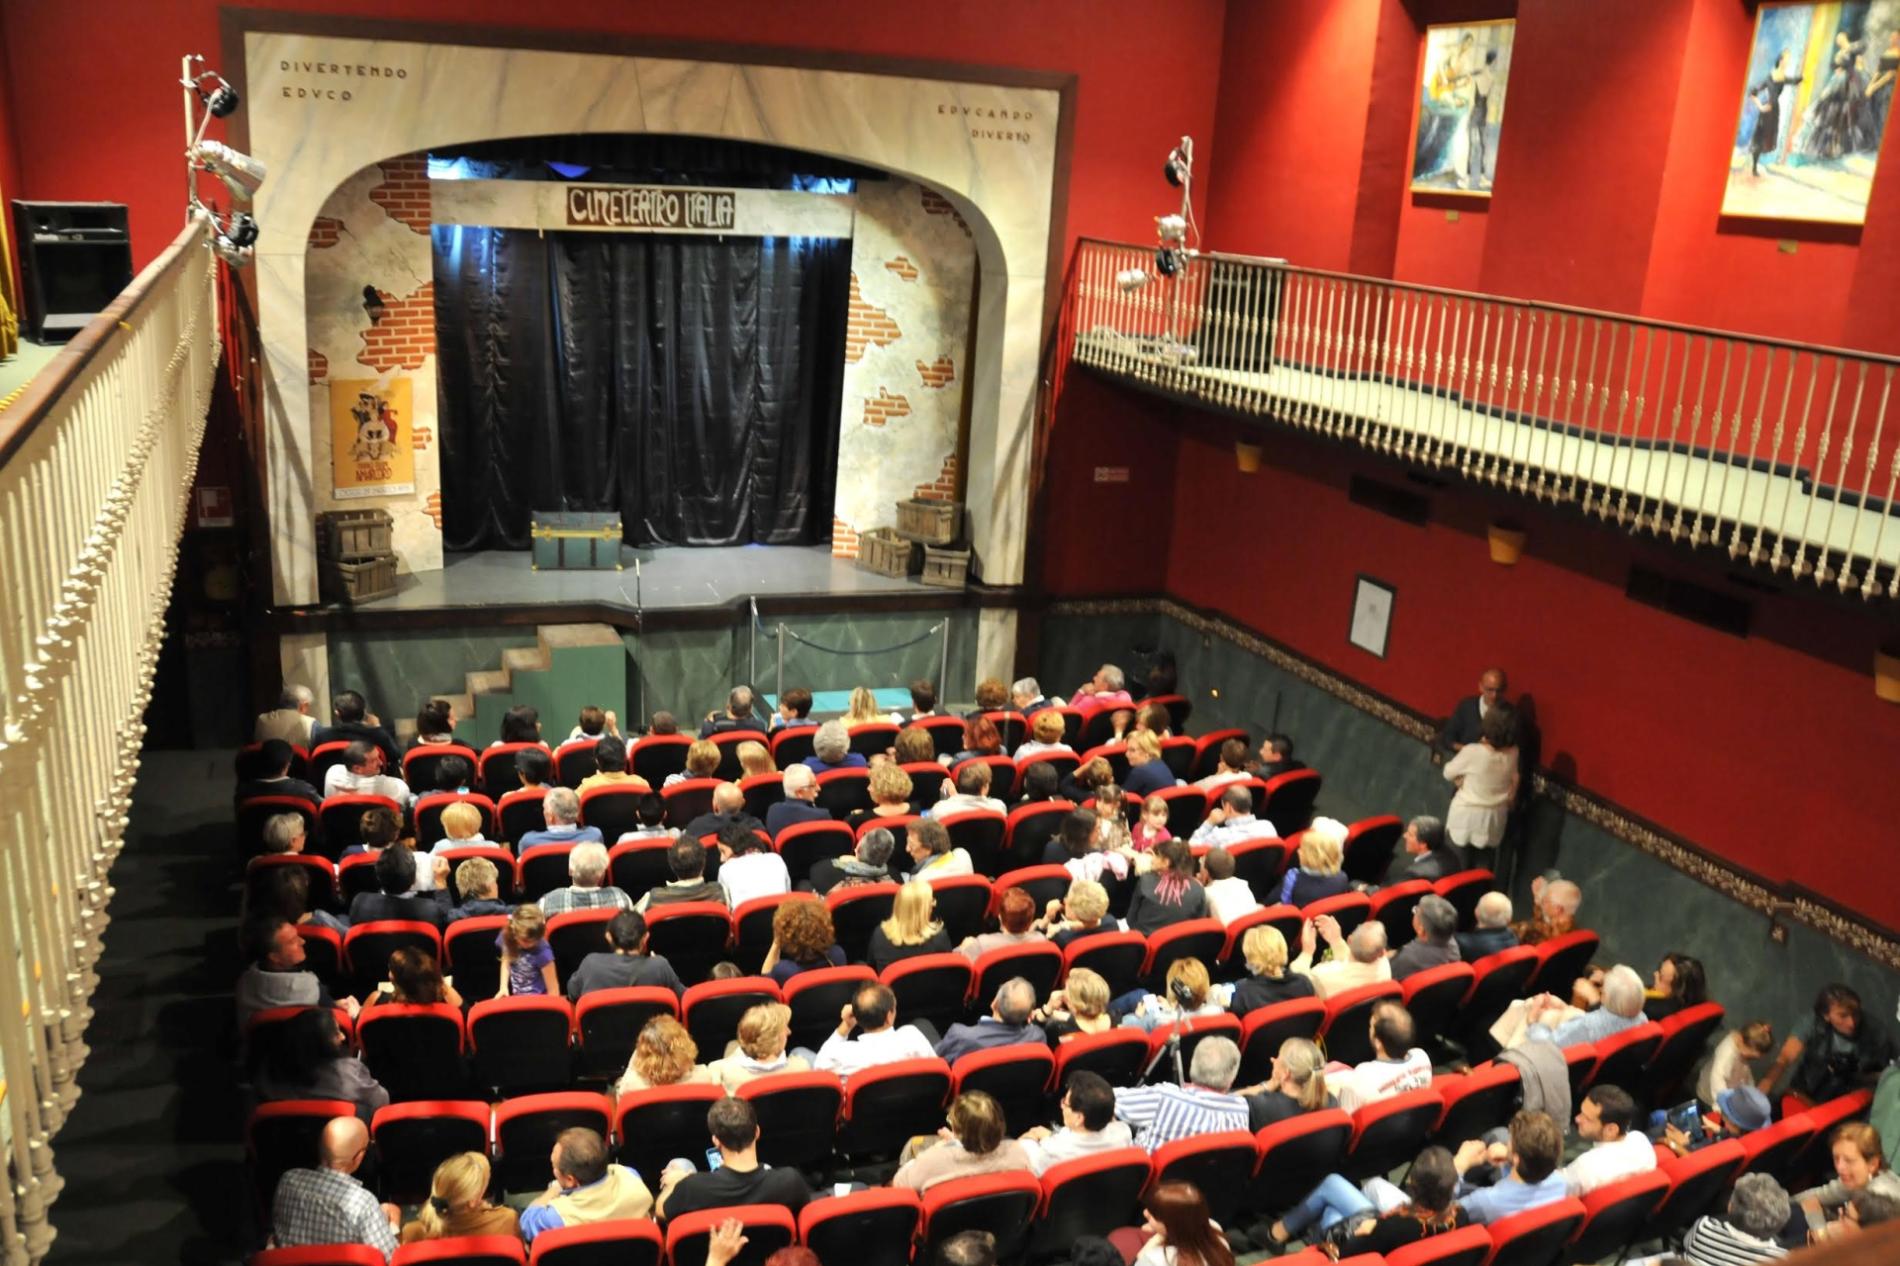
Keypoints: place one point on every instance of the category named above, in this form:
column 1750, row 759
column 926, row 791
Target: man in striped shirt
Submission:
column 1162, row 1114
column 1757, row 1211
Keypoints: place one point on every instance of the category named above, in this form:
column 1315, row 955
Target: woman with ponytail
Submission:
column 458, row 1203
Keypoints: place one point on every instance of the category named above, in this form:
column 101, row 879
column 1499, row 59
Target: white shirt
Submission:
column 1606, row 1163
column 946, row 866
column 960, row 803
column 1033, row 748
column 1066, row 1144
column 340, row 781
column 1340, row 974
column 1378, row 1079
column 752, row 875
column 1220, row 779
column 1229, row 898
column 1725, row 1070
column 845, row 1056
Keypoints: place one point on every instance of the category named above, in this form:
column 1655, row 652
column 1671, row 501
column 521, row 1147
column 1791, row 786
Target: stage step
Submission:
column 568, row 666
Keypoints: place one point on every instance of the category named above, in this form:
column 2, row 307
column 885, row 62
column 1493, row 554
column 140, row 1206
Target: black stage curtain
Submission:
column 691, row 383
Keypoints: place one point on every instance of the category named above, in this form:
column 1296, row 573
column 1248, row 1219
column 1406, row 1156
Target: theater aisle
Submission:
column 153, row 1154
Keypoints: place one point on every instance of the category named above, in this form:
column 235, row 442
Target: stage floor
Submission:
column 676, row 579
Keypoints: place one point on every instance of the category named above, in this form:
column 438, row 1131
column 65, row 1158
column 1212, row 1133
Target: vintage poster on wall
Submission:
column 1816, row 102
column 371, row 453
column 1461, row 107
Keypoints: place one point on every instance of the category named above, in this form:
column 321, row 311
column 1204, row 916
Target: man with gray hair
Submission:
column 587, row 888
column 1026, row 695
column 737, row 716
column 1493, row 933
column 831, row 749
column 1432, row 858
column 1231, row 820
column 1355, row 961
column 1556, row 902
column 1622, row 1009
column 1007, row 1024
column 1106, row 691
column 561, row 810
column 1161, row 1114
column 1757, row 1210
column 290, row 721
column 728, row 809
column 870, row 864
column 799, row 805
column 284, row 833
column 1433, row 943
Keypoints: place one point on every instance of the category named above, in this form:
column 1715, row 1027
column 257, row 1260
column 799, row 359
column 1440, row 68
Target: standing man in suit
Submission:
column 1466, row 722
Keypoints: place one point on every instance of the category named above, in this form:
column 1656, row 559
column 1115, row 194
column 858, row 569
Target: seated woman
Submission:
column 461, row 828
column 1016, row 915
column 1268, row 981
column 1318, row 875
column 914, row 747
column 975, row 1143
column 1859, row 1165
column 1176, row 1230
column 1080, row 1006
column 1680, row 982
column 980, row 738
column 1147, row 772
column 306, row 1057
column 909, row 931
column 1152, row 718
column 1298, row 1084
column 664, row 1055
column 1083, row 912
column 862, row 709
column 802, row 940
column 1094, row 842
column 458, row 1204
column 764, row 1031
column 1170, row 893
column 831, row 749
column 1382, row 1217
column 435, row 724
column 702, row 761
column 520, row 724
column 991, row 696
column 415, row 979
column 1183, row 998
column 285, row 892
column 1045, row 735
column 890, row 796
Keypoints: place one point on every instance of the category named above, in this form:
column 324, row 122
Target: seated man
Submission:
column 1556, row 902
column 533, row 767
column 266, row 772
column 1163, row 1113
column 931, row 854
column 1532, row 1178
column 291, row 721
column 360, row 773
column 1433, row 943
column 1432, row 856
column 1230, row 766
column 1026, row 696
column 728, row 808
column 1105, row 691
column 587, row 888
column 1605, row 1120
column 326, row 1204
column 973, row 792
column 285, row 833
column 870, row 863
column 1356, row 960
column 737, row 716
column 1396, row 1065
column 1622, row 1009
column 627, row 964
column 800, row 803
column 1228, row 896
column 351, row 719
column 1492, row 935
column 1088, row 1125
column 1836, row 1050
column 872, row 1012
column 586, row 1187
column 277, row 976
column 687, row 860
column 1276, row 757
column 610, row 768
column 396, row 877
column 561, row 810
column 794, row 710
column 1007, row 1023
column 1231, row 821
column 748, row 867
column 739, row 1178
column 1758, row 1208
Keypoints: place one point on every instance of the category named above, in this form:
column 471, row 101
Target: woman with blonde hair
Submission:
column 1322, row 849
column 754, row 760
column 461, row 827
column 890, row 789
column 909, row 931
column 1147, row 772
column 1183, row 997
column 863, row 709
column 458, row 1203
column 1298, row 1084
column 702, row 761
column 1082, row 912
column 1268, row 981
column 974, row 1142
column 664, row 1055
column 1080, row 1006
column 764, row 1032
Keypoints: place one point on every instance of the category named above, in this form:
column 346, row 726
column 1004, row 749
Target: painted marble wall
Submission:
column 374, row 232
column 913, row 271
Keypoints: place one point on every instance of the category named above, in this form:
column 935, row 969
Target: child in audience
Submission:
column 595, row 723
column 453, row 774
column 1152, row 828
column 651, row 812
column 1111, row 819
column 527, row 964
column 1733, row 1063
column 1187, row 996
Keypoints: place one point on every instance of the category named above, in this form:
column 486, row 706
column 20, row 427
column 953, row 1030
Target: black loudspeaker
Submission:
column 75, row 258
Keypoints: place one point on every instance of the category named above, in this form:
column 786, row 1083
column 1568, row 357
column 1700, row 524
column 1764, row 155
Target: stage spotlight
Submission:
column 1167, row 262
column 230, row 252
column 221, row 100
column 1178, row 167
column 240, row 173
column 243, row 230
column 1132, row 278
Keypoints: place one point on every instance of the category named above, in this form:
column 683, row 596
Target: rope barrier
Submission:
column 930, row 632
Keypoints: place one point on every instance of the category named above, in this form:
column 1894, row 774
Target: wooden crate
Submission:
column 358, row 581
column 355, row 534
column 883, row 551
column 947, row 567
column 928, row 521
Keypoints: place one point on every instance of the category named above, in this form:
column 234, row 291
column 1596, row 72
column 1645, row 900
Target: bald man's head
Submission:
column 727, row 798
column 343, row 1144
column 1367, row 941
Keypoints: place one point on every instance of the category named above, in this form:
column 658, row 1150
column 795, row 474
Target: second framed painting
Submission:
column 1461, row 107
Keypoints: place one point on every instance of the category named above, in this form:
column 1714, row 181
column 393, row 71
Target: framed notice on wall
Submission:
column 1371, row 615
column 371, row 451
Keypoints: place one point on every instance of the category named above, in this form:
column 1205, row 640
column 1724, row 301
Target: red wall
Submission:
column 1106, row 538
column 106, row 124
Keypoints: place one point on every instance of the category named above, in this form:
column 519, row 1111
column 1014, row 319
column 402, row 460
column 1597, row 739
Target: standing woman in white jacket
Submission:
column 1485, row 774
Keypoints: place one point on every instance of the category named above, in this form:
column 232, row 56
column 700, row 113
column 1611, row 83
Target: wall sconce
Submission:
column 1507, row 542
column 1247, row 456
column 374, row 305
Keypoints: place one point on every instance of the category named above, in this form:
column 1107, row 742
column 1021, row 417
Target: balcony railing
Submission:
column 96, row 463
column 1784, row 454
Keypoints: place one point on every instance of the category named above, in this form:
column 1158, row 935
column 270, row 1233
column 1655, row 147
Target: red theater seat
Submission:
column 1696, row 1183
column 1535, row 1237
column 257, row 810
column 575, row 761
column 712, row 1010
column 1615, row 1217
column 1288, row 803
column 933, row 987
column 1349, row 908
column 658, row 757
column 1263, row 1030
column 1191, row 938
column 1038, row 962
column 1480, row 1100
column 866, row 1228
column 768, row 1228
column 1435, row 996
column 1560, row 960
column 855, row 911
column 687, row 800
column 728, row 743
column 1029, row 829
column 367, row 947
column 463, row 1250
column 282, row 1136
column 414, row 1051
column 962, row 901
column 419, row 764
column 1347, row 1031
column 843, row 792
column 1003, row 1204
column 1018, row 1077
column 1091, row 1195
column 1220, row 1164
column 542, row 869
column 1043, row 883
column 979, row 833
column 1390, row 1132
column 1370, row 843
column 1294, row 1155
column 691, row 935
column 495, row 771
column 659, row 1123
column 342, row 818
column 519, row 1044
column 1117, row 1055
column 620, row 1242
column 805, row 844
column 817, row 997
column 1621, row 1057
column 613, row 810
column 413, row 1138
column 887, row 1105
column 946, row 733
column 1114, row 956
column 1684, row 1036
column 429, row 816
column 1463, row 890
column 607, row 1023
column 798, row 1116
column 1207, row 751
column 470, row 954
column 319, row 1255
column 1393, row 906
column 1467, row 1246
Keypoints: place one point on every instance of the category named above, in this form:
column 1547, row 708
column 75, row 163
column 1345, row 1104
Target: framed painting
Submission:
column 1461, row 107
column 1371, row 615
column 1815, row 104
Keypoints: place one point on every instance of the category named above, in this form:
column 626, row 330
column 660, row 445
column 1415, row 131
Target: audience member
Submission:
column 1231, row 820
column 458, row 1204
column 862, row 709
column 1151, row 829
column 1485, row 774
column 625, row 964
column 1298, row 1085
column 360, row 773
column 702, row 761
column 1622, row 1009
column 663, row 1055
column 1081, row 785
column 266, row 772
column 663, row 724
column 1732, row 1064
column 1396, row 1065
column 1276, row 757
column 326, row 1204
column 869, row 863
column 1740, row 1111
column 1758, row 1208
column 1094, row 839
column 1088, row 1124
column 1183, row 997
column 1859, row 1166
column 1493, row 934
column 739, row 1178
column 910, row 930
column 593, row 723
column 1163, row 1113
column 533, row 767
column 285, row 833
column 1679, row 982
column 587, row 888
column 931, row 854
column 749, row 869
column 1105, row 691
column 972, row 793
column 794, row 710
column 453, row 774
column 1432, row 858
column 1080, row 1007
column 527, row 963
column 1045, row 735
column 977, row 1143
column 687, row 860
column 1835, row 1050
column 307, row 1057
column 396, row 877
column 728, row 809
column 1007, row 1024
column 802, row 940
column 1356, row 960
column 649, row 815
column 1026, row 696
column 1176, row 1230
column 1385, row 1218
column 350, row 720
column 737, row 716
column 480, row 885
column 290, row 722
column 415, row 979
column 435, row 724
column 1555, row 902
column 1168, row 894
column 1228, row 896
column 879, row 1039
column 1322, row 853
column 1268, row 981
column 1230, row 765
column 923, row 703
column 1083, row 911
column 587, row 1187
column 1465, row 726
column 800, row 803
column 1147, row 772
column 276, row 976
column 285, row 891
column 991, row 696
column 760, row 1049
column 1606, row 1120
column 1433, row 943
column 755, row 761
column 1016, row 920
column 1533, row 1179
column 561, row 810
column 914, row 746
column 891, row 790
column 1153, row 720
column 522, row 724
column 831, row 749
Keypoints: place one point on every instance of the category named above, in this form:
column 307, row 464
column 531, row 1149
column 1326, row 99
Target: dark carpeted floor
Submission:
column 153, row 1152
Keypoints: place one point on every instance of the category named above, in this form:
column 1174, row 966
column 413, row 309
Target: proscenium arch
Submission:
column 909, row 119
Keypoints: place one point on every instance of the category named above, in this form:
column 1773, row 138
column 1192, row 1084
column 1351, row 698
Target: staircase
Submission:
column 569, row 667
